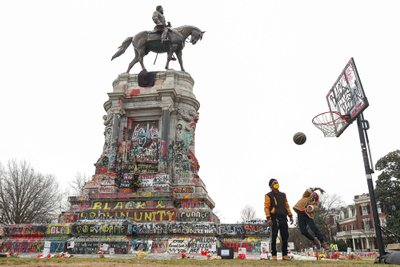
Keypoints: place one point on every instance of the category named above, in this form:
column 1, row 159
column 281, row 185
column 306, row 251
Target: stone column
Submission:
column 165, row 133
column 114, row 143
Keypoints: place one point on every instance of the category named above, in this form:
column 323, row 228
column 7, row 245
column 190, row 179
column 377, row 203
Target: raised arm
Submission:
column 320, row 189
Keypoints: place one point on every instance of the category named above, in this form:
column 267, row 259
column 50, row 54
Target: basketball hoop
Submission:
column 329, row 122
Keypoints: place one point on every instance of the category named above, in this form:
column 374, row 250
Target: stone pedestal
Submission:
column 146, row 182
column 148, row 170
column 146, row 194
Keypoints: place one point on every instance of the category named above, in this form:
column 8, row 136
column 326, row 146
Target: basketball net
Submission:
column 328, row 122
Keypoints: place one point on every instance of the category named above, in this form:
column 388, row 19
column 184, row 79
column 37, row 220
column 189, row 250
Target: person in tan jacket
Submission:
column 277, row 210
column 305, row 209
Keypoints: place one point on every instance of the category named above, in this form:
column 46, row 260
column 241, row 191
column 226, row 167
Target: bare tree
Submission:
column 27, row 196
column 332, row 201
column 79, row 182
column 324, row 218
column 248, row 213
column 299, row 240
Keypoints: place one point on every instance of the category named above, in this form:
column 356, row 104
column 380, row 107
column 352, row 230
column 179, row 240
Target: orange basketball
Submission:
column 299, row 138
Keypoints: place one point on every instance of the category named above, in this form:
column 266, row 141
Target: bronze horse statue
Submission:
column 147, row 41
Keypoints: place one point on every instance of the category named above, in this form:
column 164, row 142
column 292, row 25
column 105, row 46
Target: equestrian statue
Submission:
column 163, row 39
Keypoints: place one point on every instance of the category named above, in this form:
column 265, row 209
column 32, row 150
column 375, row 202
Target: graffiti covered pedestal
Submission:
column 146, row 193
column 147, row 172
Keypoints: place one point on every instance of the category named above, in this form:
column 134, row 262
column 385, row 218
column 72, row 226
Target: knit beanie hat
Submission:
column 271, row 181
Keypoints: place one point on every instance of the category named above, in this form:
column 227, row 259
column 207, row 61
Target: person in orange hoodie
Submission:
column 277, row 210
column 305, row 209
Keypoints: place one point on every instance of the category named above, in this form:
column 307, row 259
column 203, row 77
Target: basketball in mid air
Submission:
column 299, row 138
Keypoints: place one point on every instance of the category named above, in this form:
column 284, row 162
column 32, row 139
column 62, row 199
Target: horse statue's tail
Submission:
column 122, row 48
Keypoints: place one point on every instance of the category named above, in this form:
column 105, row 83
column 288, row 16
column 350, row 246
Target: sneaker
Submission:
column 286, row 258
column 274, row 258
column 317, row 243
column 325, row 246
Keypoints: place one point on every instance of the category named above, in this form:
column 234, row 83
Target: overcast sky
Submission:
column 261, row 73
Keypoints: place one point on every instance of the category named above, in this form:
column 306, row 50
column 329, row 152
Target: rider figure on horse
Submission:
column 146, row 41
column 161, row 24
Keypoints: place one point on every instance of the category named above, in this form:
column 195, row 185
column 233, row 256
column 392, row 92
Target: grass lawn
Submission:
column 115, row 262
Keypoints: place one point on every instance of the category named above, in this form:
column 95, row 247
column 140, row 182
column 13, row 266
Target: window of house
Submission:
column 367, row 224
column 342, row 215
column 365, row 210
column 352, row 211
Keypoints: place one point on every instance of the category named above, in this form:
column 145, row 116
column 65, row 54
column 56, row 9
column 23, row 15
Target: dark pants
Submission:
column 280, row 224
column 304, row 220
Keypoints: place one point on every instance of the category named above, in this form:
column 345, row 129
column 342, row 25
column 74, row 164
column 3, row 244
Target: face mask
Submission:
column 276, row 186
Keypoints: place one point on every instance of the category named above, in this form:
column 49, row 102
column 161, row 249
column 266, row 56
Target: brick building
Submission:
column 355, row 224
